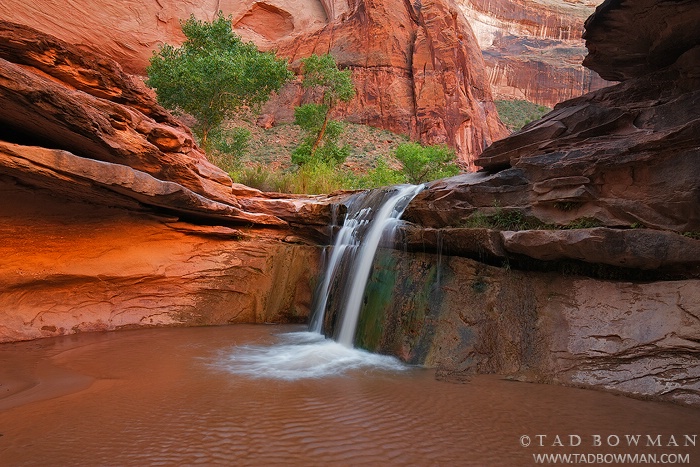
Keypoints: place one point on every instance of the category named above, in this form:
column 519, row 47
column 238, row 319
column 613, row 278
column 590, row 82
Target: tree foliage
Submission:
column 322, row 72
column 312, row 118
column 335, row 85
column 214, row 74
column 425, row 163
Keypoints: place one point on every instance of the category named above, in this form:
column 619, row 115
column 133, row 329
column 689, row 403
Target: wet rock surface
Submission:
column 464, row 317
column 112, row 217
column 604, row 191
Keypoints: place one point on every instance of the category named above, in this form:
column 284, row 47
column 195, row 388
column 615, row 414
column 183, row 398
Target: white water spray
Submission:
column 372, row 216
column 357, row 242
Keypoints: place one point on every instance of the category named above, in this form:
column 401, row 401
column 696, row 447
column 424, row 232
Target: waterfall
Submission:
column 372, row 217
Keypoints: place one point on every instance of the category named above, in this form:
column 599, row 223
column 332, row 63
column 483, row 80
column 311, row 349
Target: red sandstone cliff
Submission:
column 533, row 49
column 111, row 217
column 605, row 186
column 417, row 67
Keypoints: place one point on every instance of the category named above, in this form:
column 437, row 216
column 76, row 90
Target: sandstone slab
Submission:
column 74, row 266
column 464, row 317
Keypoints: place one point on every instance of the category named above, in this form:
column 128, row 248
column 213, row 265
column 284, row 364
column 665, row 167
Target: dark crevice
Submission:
column 17, row 135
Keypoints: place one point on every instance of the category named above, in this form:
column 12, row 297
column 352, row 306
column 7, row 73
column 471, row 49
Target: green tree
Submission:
column 425, row 163
column 312, row 118
column 335, row 85
column 229, row 147
column 214, row 74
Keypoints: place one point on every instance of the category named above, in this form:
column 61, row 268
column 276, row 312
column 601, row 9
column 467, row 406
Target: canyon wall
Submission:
column 533, row 49
column 130, row 31
column 464, row 317
column 574, row 256
column 417, row 68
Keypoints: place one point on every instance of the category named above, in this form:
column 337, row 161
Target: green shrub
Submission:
column 583, row 223
column 424, row 163
column 229, row 146
column 515, row 114
column 311, row 117
column 321, row 141
column 503, row 219
column 380, row 175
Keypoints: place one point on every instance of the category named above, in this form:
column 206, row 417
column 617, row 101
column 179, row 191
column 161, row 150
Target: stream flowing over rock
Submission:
column 598, row 252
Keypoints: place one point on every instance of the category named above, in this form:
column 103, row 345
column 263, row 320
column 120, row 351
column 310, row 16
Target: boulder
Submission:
column 653, row 35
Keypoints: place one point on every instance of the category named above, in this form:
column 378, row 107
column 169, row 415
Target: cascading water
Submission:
column 371, row 218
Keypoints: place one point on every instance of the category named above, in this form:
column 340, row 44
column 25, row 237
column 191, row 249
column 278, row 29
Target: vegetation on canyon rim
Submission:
column 215, row 77
column 517, row 113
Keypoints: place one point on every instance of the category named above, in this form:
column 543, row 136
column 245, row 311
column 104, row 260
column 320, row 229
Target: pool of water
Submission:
column 274, row 395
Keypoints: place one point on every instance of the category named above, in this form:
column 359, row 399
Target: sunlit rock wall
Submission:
column 74, row 266
column 533, row 49
column 129, row 31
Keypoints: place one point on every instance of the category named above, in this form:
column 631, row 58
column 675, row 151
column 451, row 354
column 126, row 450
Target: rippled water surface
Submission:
column 271, row 395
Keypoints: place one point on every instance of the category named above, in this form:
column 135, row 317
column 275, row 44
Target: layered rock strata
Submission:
column 129, row 31
column 111, row 217
column 465, row 317
column 533, row 49
column 417, row 68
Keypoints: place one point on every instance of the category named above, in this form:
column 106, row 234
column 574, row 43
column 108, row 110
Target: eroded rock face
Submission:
column 72, row 266
column 604, row 191
column 103, row 132
column 56, row 96
column 654, row 36
column 623, row 156
column 533, row 49
column 417, row 69
column 464, row 317
column 129, row 31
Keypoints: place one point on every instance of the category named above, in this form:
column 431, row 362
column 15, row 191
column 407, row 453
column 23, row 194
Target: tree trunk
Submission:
column 320, row 133
column 205, row 139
